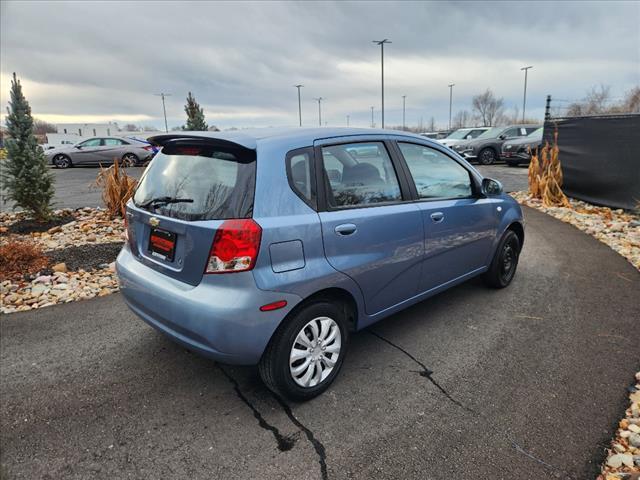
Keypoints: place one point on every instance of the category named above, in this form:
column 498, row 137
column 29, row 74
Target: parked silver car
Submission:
column 100, row 151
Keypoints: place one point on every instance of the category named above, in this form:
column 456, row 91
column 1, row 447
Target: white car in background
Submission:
column 463, row 134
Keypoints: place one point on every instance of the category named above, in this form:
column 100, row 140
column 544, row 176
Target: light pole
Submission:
column 164, row 109
column 404, row 98
column 299, row 104
column 381, row 43
column 524, row 100
column 372, row 117
column 451, row 85
column 319, row 100
column 347, row 120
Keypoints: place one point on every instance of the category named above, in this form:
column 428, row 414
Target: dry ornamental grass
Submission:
column 117, row 188
column 545, row 175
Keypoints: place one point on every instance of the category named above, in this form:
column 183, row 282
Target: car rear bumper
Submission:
column 220, row 318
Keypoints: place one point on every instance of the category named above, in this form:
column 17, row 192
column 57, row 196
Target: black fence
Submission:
column 600, row 158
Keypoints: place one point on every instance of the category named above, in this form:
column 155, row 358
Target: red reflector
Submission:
column 273, row 306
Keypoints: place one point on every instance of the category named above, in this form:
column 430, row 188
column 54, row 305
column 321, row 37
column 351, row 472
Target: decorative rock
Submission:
column 634, row 440
column 54, row 229
column 59, row 267
column 634, row 428
column 619, row 448
column 619, row 459
column 91, row 238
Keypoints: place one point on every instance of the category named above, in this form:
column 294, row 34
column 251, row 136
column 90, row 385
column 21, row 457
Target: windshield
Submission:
column 199, row 183
column 458, row 134
column 537, row 133
column 492, row 132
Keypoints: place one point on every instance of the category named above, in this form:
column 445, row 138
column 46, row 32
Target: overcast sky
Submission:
column 102, row 61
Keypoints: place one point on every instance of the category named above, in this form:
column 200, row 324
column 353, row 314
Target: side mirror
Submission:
column 79, row 147
column 491, row 187
column 468, row 137
column 502, row 137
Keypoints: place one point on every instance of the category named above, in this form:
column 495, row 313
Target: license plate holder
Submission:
column 162, row 244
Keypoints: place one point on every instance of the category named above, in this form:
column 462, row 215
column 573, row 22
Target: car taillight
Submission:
column 148, row 148
column 235, row 247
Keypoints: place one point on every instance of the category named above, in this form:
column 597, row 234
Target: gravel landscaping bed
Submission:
column 623, row 458
column 619, row 229
column 81, row 247
column 89, row 225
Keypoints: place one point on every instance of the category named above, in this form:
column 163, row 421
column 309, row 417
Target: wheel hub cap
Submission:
column 315, row 351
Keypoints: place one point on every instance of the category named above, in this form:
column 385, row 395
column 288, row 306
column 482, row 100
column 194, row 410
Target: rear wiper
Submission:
column 164, row 201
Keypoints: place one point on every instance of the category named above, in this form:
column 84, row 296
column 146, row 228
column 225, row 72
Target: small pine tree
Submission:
column 25, row 173
column 195, row 115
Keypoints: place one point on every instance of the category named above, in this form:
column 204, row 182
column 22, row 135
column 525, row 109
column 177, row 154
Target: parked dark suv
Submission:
column 487, row 147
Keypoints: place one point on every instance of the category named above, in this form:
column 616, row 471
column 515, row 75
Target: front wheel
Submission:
column 62, row 161
column 306, row 353
column 487, row 156
column 505, row 261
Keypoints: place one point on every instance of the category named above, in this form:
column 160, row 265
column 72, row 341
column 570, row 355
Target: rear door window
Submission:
column 199, row 182
column 359, row 174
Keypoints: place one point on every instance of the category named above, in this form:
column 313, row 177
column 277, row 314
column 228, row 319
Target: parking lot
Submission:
column 75, row 187
column 471, row 384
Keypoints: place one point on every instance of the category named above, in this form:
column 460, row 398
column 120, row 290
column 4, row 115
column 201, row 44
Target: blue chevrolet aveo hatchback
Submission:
column 271, row 247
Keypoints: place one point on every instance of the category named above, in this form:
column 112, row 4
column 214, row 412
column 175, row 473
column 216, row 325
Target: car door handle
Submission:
column 346, row 229
column 437, row 217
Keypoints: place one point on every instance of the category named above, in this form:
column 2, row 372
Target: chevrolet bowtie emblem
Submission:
column 154, row 222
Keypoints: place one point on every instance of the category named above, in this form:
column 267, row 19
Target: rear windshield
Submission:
column 199, row 183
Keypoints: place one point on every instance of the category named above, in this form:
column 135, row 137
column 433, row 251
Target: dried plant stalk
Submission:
column 545, row 175
column 117, row 188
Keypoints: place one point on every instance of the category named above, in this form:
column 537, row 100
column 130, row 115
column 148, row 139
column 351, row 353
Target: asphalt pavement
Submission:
column 75, row 187
column 522, row 383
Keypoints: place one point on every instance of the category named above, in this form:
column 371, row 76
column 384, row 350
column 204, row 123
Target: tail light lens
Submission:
column 235, row 247
column 148, row 148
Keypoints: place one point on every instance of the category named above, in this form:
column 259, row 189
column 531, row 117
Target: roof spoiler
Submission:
column 236, row 141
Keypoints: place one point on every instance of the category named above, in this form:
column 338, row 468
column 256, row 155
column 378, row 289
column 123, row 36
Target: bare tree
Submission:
column 596, row 101
column 461, row 119
column 40, row 127
column 130, row 127
column 488, row 107
column 631, row 102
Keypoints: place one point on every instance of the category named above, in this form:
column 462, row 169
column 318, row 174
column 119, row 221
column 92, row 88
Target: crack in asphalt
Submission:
column 425, row 372
column 317, row 444
column 285, row 442
column 533, row 457
column 428, row 373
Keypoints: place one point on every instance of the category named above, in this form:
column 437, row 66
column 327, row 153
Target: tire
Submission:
column 62, row 161
column 505, row 261
column 130, row 160
column 487, row 156
column 290, row 379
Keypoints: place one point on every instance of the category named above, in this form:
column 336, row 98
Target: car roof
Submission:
column 250, row 138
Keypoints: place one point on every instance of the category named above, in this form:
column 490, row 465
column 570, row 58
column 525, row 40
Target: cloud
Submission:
column 241, row 60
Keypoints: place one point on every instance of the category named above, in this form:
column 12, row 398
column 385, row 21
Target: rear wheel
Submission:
column 306, row 353
column 62, row 161
column 130, row 160
column 487, row 156
column 505, row 261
